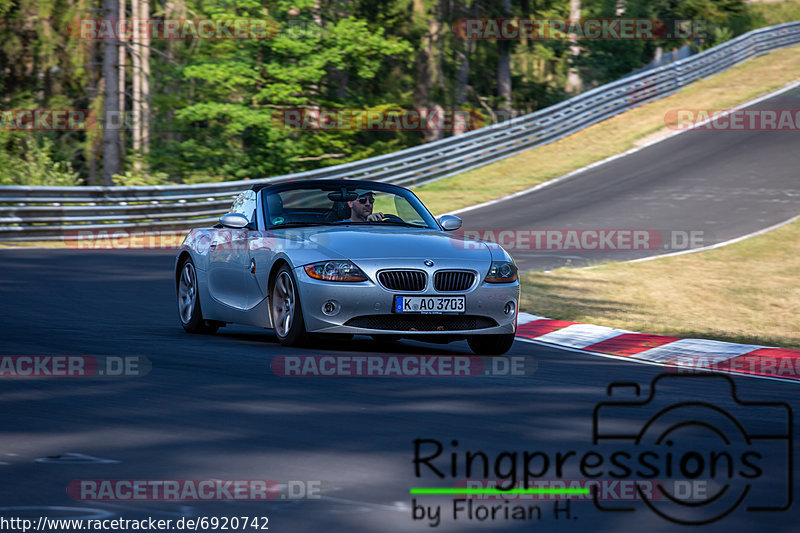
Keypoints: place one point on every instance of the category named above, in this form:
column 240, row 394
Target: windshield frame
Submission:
column 336, row 185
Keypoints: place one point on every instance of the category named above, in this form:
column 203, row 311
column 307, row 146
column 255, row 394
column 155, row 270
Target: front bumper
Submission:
column 367, row 307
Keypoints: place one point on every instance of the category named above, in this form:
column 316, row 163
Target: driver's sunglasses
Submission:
column 365, row 199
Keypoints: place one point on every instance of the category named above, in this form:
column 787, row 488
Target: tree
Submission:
column 574, row 83
column 504, row 65
column 111, row 147
column 232, row 124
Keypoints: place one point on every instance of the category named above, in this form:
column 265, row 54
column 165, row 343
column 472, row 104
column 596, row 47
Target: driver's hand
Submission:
column 375, row 217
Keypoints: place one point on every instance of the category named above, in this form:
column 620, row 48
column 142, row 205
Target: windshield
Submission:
column 357, row 204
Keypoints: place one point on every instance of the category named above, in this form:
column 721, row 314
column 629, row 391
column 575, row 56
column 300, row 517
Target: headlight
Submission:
column 335, row 271
column 502, row 272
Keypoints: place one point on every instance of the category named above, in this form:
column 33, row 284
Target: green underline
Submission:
column 437, row 490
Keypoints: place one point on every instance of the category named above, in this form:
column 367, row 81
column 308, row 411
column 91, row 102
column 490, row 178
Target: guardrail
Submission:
column 47, row 213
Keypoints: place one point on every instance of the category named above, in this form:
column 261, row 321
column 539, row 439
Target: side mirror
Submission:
column 450, row 222
column 234, row 220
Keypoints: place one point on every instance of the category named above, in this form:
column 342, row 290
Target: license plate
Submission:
column 430, row 304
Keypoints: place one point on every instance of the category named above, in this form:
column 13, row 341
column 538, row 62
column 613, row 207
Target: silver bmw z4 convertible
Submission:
column 346, row 257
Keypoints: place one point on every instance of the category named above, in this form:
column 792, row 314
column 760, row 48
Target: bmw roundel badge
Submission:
column 428, row 263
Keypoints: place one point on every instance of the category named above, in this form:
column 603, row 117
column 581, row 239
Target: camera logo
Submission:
column 737, row 453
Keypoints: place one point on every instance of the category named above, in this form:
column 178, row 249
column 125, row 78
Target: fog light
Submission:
column 509, row 308
column 331, row 307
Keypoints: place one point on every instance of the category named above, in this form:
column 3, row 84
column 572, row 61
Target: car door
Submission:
column 261, row 249
column 229, row 257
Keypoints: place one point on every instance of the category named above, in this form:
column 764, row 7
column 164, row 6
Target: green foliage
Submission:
column 25, row 160
column 721, row 35
column 217, row 104
column 133, row 178
column 706, row 23
column 770, row 13
column 232, row 126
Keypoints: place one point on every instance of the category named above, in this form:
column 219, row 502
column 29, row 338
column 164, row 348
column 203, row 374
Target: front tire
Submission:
column 491, row 344
column 285, row 310
column 189, row 312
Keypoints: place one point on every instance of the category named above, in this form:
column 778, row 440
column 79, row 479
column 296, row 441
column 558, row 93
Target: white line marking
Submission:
column 708, row 350
column 398, row 506
column 524, row 318
column 74, row 458
column 652, row 363
column 581, row 335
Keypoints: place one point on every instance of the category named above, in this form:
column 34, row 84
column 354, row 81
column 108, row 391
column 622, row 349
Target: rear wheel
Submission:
column 189, row 311
column 287, row 316
column 491, row 344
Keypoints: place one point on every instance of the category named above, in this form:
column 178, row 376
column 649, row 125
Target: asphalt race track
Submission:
column 722, row 184
column 212, row 408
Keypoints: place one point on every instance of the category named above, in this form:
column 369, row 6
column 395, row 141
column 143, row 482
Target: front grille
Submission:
column 453, row 280
column 421, row 322
column 403, row 280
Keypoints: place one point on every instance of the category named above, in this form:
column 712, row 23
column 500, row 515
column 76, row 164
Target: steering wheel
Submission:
column 389, row 216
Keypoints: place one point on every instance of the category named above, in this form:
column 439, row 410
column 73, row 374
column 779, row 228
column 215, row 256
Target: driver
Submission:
column 361, row 208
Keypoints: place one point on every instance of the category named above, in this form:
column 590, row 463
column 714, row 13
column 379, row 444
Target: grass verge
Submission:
column 746, row 292
column 776, row 12
column 730, row 88
column 32, row 244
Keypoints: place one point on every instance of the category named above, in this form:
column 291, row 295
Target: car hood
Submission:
column 384, row 243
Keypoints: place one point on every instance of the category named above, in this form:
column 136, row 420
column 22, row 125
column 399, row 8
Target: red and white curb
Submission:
column 673, row 353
